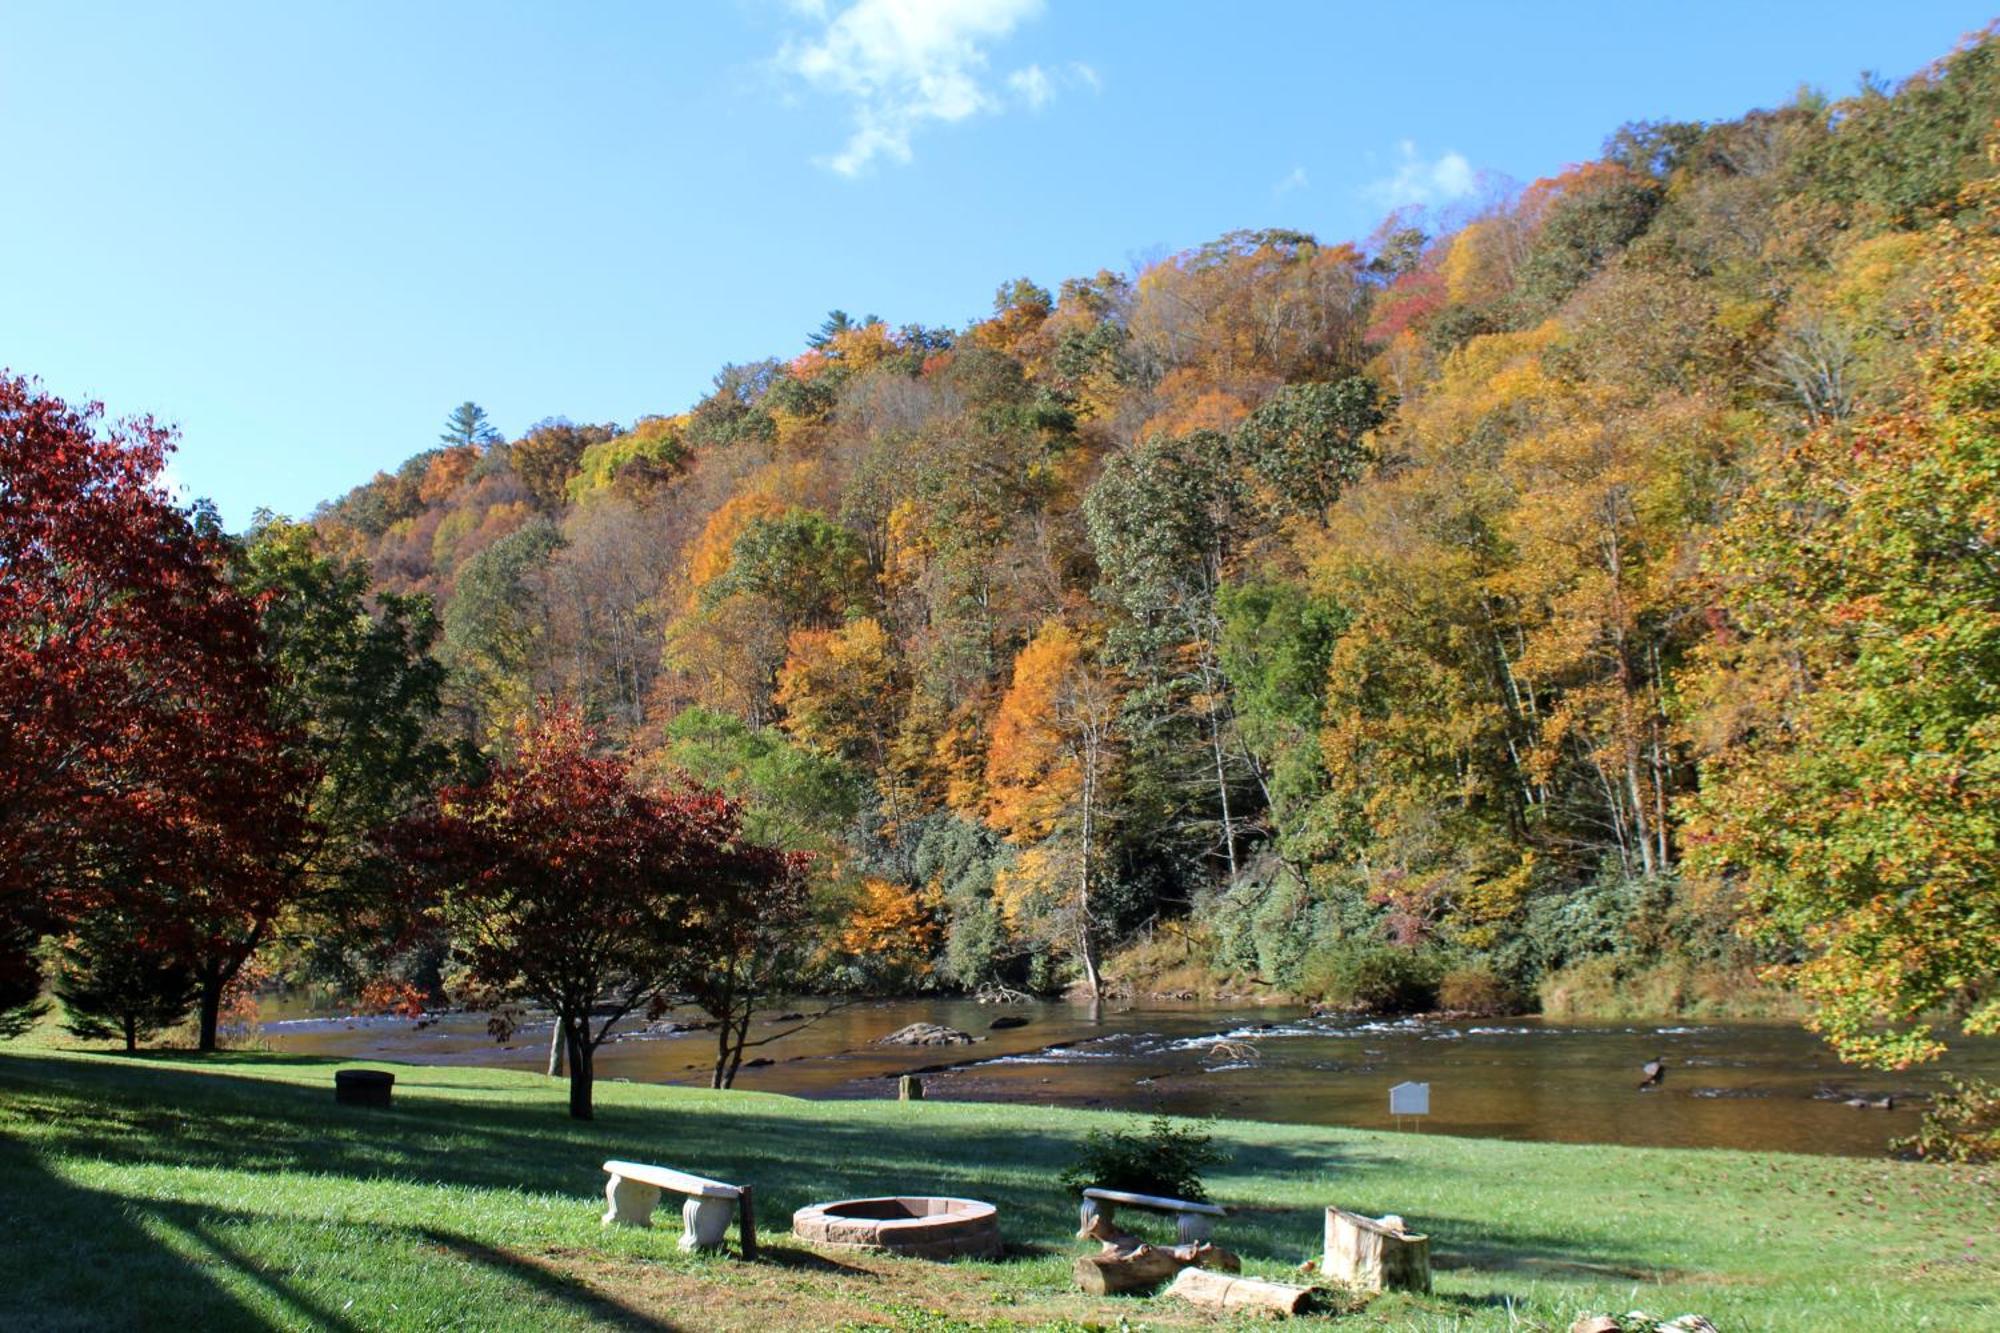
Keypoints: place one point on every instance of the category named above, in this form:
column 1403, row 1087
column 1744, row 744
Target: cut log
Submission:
column 1145, row 1266
column 1375, row 1255
column 1220, row 1291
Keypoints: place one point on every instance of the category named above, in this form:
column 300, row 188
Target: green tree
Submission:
column 467, row 425
column 1276, row 646
column 1166, row 521
column 356, row 690
column 793, row 797
column 493, row 629
column 1309, row 442
column 809, row 570
column 115, row 981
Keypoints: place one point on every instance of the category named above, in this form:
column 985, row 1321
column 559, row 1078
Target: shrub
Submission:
column 1475, row 989
column 1360, row 974
column 1165, row 1159
column 1611, row 988
column 1963, row 1125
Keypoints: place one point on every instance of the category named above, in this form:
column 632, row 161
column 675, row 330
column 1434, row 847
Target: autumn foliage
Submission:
column 140, row 771
column 558, row 881
column 1591, row 580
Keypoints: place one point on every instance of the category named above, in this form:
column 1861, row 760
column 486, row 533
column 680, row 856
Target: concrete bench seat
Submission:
column 634, row 1189
column 1193, row 1221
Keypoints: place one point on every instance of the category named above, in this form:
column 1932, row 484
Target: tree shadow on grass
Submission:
column 82, row 1257
column 603, row 1309
column 66, row 1241
column 143, row 1113
column 1498, row 1259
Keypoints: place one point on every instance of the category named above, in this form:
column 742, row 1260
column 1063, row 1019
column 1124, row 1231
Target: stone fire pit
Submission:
column 922, row 1227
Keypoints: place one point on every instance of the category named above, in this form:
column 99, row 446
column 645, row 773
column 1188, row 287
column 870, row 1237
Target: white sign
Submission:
column 1410, row 1099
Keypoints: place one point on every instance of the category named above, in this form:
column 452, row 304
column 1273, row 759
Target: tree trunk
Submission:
column 739, row 1039
column 1086, row 944
column 1222, row 790
column 210, row 1007
column 556, row 1050
column 579, row 1072
column 1223, row 1291
column 131, row 1034
column 1375, row 1255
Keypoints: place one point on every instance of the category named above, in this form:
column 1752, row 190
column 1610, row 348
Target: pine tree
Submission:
column 467, row 424
column 113, row 983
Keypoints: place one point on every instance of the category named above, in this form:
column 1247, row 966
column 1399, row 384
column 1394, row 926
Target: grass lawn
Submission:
column 175, row 1192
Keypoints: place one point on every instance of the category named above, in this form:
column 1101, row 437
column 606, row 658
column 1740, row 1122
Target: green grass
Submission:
column 177, row 1192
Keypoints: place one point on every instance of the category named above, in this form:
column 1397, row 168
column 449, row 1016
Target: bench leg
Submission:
column 1092, row 1210
column 705, row 1223
column 1194, row 1226
column 629, row 1202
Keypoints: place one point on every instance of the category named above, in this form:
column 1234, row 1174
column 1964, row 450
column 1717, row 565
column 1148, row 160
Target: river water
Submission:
column 1753, row 1086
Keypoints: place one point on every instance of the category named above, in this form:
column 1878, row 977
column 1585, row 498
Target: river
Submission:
column 1736, row 1085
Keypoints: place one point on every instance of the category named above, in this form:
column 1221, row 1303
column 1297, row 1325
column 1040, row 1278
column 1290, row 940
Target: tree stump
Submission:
column 363, row 1087
column 909, row 1088
column 1375, row 1255
column 1220, row 1291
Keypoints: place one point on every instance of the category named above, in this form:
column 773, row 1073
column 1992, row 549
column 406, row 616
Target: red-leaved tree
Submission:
column 562, row 884
column 137, row 763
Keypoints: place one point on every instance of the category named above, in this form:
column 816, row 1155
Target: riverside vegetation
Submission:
column 224, row 1192
column 1434, row 620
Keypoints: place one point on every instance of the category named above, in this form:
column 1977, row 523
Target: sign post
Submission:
column 1410, row 1099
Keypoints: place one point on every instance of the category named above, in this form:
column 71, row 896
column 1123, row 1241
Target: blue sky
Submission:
column 304, row 232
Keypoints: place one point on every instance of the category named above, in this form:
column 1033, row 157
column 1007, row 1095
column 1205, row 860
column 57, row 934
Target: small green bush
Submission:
column 1963, row 1125
column 1166, row 1159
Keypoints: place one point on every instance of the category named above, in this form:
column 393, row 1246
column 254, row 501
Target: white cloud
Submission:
column 901, row 64
column 1295, row 181
column 1034, row 86
column 1416, row 181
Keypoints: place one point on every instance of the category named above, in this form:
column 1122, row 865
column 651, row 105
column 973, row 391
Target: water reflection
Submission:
column 1736, row 1085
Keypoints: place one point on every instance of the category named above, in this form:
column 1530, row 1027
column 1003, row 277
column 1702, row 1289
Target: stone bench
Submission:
column 634, row 1189
column 1194, row 1221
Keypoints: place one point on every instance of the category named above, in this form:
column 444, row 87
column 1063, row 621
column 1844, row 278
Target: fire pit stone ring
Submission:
column 917, row 1226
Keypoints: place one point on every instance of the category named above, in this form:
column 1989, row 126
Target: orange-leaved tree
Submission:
column 1050, row 769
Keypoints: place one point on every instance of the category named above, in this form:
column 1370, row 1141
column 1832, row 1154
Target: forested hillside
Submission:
column 1594, row 592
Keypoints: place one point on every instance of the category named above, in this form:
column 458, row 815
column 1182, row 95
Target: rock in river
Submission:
column 928, row 1034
